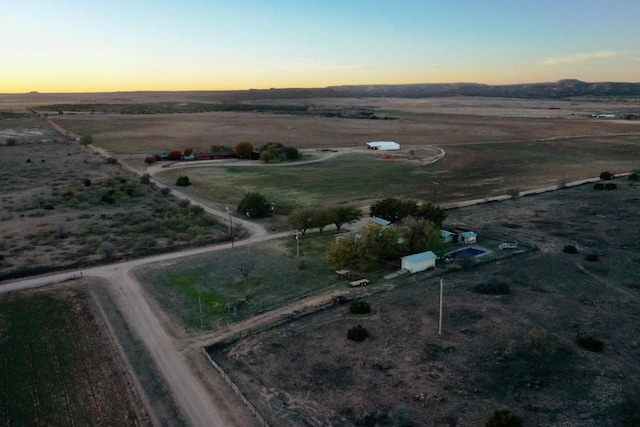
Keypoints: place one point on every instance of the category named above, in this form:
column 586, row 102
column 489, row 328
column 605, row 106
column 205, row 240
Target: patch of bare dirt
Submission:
column 516, row 350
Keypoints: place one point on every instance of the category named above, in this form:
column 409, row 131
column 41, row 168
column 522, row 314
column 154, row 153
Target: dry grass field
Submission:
column 492, row 145
column 58, row 366
column 515, row 351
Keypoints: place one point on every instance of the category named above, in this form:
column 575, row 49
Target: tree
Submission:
column 291, row 153
column 243, row 149
column 302, row 219
column 150, row 159
column 188, row 151
column 323, row 217
column 255, row 205
column 183, row 181
column 267, row 156
column 346, row 215
column 344, row 252
column 393, row 209
column 367, row 248
column 432, row 213
column 420, row 235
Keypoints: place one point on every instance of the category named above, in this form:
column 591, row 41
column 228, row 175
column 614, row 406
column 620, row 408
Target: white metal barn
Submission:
column 419, row 262
column 383, row 145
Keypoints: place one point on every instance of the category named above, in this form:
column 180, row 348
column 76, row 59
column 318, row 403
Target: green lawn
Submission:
column 210, row 281
column 466, row 172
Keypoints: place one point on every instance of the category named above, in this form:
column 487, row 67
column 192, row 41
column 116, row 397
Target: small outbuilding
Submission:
column 380, row 221
column 383, row 145
column 447, row 236
column 419, row 262
column 467, row 238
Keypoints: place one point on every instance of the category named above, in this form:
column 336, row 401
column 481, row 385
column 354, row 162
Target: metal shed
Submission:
column 419, row 262
column 383, row 145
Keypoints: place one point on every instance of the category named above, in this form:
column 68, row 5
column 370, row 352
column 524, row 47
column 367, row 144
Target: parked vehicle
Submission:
column 361, row 282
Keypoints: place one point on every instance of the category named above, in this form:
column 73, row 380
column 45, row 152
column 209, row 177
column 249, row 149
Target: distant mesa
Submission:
column 33, row 92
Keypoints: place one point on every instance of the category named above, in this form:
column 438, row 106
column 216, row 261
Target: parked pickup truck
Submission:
column 361, row 282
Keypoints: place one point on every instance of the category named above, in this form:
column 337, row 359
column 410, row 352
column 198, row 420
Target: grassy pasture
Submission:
column 468, row 171
column 56, row 367
column 215, row 279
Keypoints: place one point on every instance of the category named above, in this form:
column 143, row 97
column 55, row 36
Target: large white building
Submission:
column 383, row 145
column 419, row 262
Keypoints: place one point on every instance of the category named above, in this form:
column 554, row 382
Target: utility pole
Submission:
column 200, row 305
column 440, row 320
column 230, row 226
column 297, row 234
column 435, row 186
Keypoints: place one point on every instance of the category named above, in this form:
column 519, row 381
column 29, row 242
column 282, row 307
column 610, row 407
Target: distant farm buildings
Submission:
column 383, row 145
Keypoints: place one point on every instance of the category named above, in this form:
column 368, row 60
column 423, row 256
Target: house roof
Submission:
column 445, row 233
column 383, row 222
column 422, row 256
column 468, row 234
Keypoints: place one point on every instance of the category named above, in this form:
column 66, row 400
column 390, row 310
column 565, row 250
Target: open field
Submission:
column 492, row 146
column 213, row 285
column 62, row 206
column 468, row 171
column 306, row 372
column 516, row 350
column 59, row 367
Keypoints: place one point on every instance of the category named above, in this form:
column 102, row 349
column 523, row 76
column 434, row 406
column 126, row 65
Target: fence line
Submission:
column 235, row 388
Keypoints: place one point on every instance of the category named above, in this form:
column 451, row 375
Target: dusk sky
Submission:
column 113, row 45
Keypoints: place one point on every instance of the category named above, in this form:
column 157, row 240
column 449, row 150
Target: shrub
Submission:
column 183, row 181
column 165, row 191
column 145, row 179
column 570, row 249
column 254, row 205
column 606, row 176
column 634, row 176
column 494, row 286
column 592, row 257
column 598, row 186
column 610, row 186
column 357, row 333
column 150, row 159
column 112, row 161
column 360, row 307
column 11, row 141
column 503, row 418
column 589, row 342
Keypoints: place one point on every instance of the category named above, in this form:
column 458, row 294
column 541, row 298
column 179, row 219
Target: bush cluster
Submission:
column 503, row 418
column 357, row 333
column 589, row 342
column 360, row 307
column 493, row 286
column 570, row 249
column 607, row 186
column 606, row 176
column 592, row 257
column 183, row 181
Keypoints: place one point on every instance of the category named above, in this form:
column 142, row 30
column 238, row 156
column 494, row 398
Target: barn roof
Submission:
column 384, row 145
column 422, row 256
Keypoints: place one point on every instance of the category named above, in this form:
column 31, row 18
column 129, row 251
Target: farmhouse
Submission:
column 419, row 262
column 383, row 145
